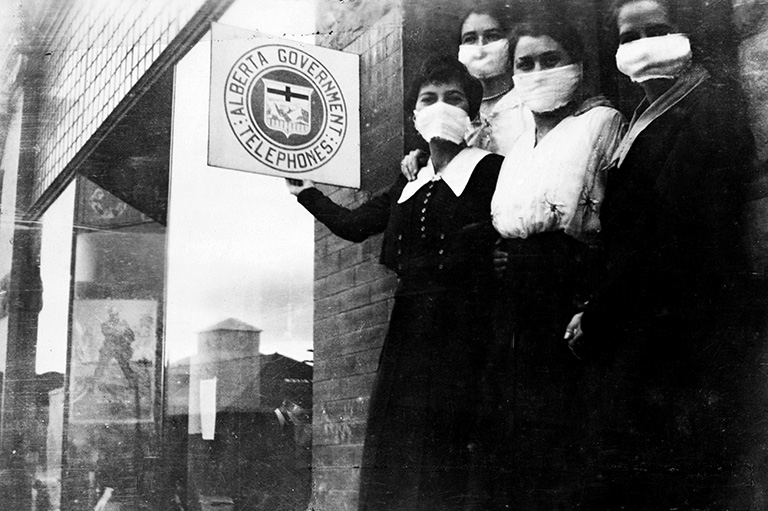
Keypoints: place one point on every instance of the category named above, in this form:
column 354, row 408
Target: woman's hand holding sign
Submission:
column 296, row 186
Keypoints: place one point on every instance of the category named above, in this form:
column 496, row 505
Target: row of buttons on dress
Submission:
column 423, row 218
column 423, row 227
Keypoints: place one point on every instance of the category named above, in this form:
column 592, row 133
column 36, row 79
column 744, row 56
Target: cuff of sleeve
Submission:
column 309, row 195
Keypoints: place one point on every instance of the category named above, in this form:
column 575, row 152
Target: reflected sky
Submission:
column 55, row 249
column 239, row 245
column 8, row 182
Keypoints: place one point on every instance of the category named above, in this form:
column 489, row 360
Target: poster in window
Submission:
column 113, row 361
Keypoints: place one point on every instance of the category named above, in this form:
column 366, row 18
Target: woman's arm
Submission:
column 350, row 224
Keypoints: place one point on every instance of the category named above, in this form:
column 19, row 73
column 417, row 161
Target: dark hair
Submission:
column 562, row 31
column 445, row 69
column 670, row 7
column 507, row 14
column 683, row 14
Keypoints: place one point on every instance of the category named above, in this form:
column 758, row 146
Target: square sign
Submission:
column 283, row 108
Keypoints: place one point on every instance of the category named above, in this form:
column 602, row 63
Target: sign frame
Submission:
column 282, row 108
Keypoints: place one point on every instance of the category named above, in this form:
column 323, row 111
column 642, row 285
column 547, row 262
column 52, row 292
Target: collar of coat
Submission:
column 645, row 114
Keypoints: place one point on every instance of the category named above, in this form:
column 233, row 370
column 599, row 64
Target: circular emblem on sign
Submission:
column 285, row 108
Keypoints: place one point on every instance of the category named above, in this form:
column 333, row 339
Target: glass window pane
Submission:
column 8, row 180
column 113, row 396
column 55, row 262
column 238, row 324
column 51, row 349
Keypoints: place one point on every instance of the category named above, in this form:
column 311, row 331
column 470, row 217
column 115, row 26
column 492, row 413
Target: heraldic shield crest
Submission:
column 287, row 107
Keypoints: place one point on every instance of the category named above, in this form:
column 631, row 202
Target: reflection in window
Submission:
column 112, row 391
column 238, row 324
column 8, row 181
column 51, row 349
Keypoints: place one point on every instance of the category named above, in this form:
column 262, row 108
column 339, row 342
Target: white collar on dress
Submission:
column 456, row 174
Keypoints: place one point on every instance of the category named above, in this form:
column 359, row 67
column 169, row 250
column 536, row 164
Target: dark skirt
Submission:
column 683, row 417
column 535, row 410
column 420, row 432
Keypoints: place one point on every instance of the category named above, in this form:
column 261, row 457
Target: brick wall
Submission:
column 751, row 22
column 353, row 292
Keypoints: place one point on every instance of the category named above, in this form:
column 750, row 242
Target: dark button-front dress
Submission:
column 419, row 436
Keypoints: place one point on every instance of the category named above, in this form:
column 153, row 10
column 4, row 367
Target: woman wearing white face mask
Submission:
column 669, row 315
column 484, row 49
column 438, row 239
column 546, row 207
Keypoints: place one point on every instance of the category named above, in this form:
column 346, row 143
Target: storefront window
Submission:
column 238, row 324
column 162, row 372
column 112, row 391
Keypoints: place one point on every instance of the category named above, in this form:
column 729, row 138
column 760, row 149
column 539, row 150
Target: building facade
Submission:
column 121, row 247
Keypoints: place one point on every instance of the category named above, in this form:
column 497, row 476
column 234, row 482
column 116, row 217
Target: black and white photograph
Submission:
column 383, row 255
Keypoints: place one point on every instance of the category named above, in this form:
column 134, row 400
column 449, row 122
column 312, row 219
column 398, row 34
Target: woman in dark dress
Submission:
column 438, row 239
column 667, row 323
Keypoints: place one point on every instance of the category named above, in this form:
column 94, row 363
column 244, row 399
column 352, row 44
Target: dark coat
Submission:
column 671, row 215
column 668, row 402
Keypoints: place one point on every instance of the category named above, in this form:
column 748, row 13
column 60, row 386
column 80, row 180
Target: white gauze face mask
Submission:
column 548, row 90
column 652, row 58
column 485, row 61
column 441, row 120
